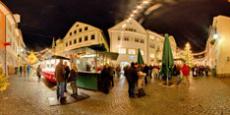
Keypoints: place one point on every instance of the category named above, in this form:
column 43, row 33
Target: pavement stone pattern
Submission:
column 205, row 96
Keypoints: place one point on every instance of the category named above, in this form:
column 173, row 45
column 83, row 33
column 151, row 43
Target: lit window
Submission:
column 122, row 51
column 132, row 51
column 152, row 55
column 152, row 37
column 92, row 37
column 86, row 38
column 80, row 39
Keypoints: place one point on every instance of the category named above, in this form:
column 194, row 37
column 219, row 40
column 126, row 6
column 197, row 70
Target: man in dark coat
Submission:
column 146, row 70
column 39, row 70
column 105, row 76
column 59, row 75
column 131, row 75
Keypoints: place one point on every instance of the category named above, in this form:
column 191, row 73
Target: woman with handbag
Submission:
column 140, row 83
column 73, row 79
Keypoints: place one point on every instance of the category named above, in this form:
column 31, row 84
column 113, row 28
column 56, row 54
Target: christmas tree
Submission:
column 32, row 58
column 3, row 80
column 187, row 55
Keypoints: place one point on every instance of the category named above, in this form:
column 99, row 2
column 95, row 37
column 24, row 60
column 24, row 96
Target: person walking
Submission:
column 67, row 71
column 186, row 72
column 176, row 74
column 20, row 71
column 118, row 71
column 28, row 70
column 133, row 79
column 73, row 79
column 111, row 75
column 105, row 76
column 140, row 82
column 24, row 70
column 128, row 77
column 145, row 69
column 206, row 69
column 150, row 71
column 39, row 70
column 59, row 75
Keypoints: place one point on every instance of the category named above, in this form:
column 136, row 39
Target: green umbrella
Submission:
column 167, row 58
column 139, row 57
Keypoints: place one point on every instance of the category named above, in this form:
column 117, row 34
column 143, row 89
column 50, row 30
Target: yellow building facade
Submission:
column 218, row 54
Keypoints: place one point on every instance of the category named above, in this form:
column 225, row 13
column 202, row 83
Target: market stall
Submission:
column 90, row 63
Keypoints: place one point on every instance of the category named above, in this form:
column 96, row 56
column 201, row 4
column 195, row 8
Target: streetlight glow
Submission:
column 139, row 7
column 215, row 36
column 146, row 2
column 135, row 11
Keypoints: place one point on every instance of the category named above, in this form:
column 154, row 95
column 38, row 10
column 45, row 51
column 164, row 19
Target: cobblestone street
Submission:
column 205, row 96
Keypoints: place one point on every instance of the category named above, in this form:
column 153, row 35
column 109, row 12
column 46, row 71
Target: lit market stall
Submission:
column 90, row 62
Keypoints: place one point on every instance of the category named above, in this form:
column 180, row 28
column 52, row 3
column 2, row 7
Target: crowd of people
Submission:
column 24, row 70
column 200, row 70
column 137, row 76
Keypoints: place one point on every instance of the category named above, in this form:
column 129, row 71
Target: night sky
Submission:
column 187, row 20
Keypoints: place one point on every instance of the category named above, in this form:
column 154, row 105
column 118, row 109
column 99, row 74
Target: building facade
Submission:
column 217, row 47
column 80, row 35
column 10, row 33
column 128, row 36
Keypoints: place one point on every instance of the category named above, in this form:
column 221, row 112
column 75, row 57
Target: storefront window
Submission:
column 132, row 51
column 122, row 51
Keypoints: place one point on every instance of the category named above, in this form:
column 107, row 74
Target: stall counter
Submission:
column 89, row 80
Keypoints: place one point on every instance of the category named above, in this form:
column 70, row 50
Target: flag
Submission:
column 7, row 44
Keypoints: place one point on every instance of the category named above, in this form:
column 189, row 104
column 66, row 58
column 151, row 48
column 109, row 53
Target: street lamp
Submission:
column 215, row 36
